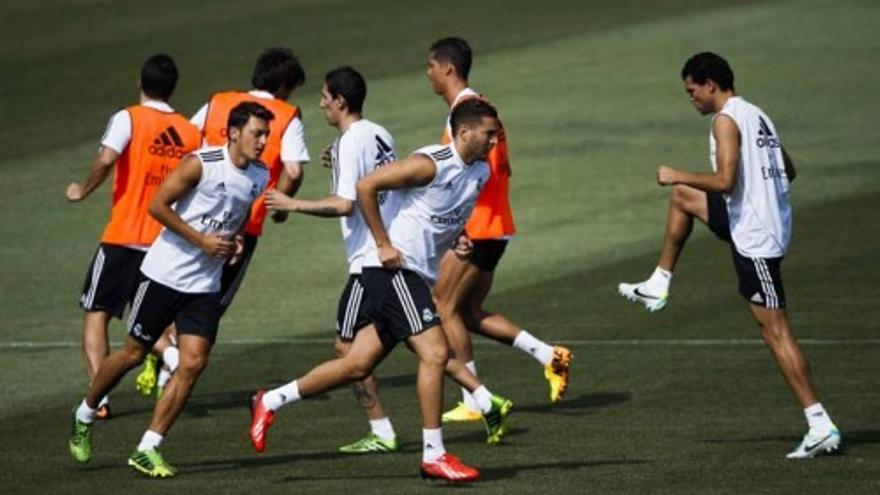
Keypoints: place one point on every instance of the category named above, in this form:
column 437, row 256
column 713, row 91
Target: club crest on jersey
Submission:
column 427, row 315
column 255, row 190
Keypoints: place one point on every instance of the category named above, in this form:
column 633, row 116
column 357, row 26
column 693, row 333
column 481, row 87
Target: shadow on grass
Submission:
column 577, row 405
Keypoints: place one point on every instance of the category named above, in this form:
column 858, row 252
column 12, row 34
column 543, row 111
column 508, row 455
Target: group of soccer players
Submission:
column 423, row 236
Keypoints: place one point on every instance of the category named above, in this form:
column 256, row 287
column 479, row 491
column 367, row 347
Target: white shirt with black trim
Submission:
column 428, row 219
column 361, row 149
column 293, row 141
column 758, row 206
column 219, row 204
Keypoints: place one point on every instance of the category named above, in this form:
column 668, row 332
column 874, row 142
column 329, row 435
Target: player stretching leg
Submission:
column 745, row 202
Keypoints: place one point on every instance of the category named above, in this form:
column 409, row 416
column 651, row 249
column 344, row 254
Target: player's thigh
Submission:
column 430, row 345
column 691, row 201
column 366, row 350
column 456, row 278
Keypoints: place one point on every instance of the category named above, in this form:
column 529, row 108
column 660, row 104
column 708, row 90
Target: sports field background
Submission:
column 683, row 401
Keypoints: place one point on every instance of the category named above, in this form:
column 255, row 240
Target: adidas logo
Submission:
column 384, row 152
column 448, row 186
column 765, row 135
column 757, row 298
column 221, row 186
column 168, row 143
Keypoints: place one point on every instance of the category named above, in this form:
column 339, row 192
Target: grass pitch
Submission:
column 683, row 401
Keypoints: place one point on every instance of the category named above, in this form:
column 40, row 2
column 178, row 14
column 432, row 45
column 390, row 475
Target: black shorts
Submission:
column 350, row 315
column 399, row 302
column 760, row 279
column 112, row 279
column 233, row 275
column 487, row 253
column 155, row 306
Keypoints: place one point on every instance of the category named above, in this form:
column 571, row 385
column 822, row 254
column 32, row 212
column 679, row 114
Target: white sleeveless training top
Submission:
column 219, row 204
column 758, row 207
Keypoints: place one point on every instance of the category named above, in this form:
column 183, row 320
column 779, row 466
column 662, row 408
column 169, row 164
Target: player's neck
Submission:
column 345, row 121
column 237, row 156
column 146, row 99
column 722, row 99
column 452, row 90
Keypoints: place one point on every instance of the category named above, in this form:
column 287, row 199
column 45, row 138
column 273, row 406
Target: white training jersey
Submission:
column 758, row 207
column 429, row 218
column 117, row 135
column 219, row 204
column 363, row 147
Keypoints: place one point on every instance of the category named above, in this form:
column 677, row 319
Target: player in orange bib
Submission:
column 276, row 75
column 146, row 142
column 464, row 282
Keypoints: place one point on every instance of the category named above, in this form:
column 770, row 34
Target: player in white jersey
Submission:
column 436, row 188
column 203, row 206
column 744, row 201
column 362, row 147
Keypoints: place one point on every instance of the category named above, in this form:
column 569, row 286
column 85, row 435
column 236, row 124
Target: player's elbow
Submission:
column 156, row 209
column 346, row 208
column 726, row 184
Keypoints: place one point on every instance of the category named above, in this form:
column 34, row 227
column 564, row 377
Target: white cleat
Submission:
column 815, row 444
column 640, row 293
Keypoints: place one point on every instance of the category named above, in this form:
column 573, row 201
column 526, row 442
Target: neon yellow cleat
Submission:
column 461, row 413
column 146, row 379
column 496, row 419
column 80, row 440
column 369, row 444
column 557, row 372
column 151, row 463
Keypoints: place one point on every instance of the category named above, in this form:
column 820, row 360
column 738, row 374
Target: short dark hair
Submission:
column 455, row 51
column 159, row 77
column 241, row 113
column 471, row 111
column 707, row 65
column 277, row 68
column 350, row 84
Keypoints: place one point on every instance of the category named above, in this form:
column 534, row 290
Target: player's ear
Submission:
column 233, row 133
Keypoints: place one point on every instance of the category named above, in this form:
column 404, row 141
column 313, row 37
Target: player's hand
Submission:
column 390, row 257
column 218, row 246
column 463, row 247
column 327, row 156
column 74, row 192
column 666, row 176
column 278, row 201
column 238, row 249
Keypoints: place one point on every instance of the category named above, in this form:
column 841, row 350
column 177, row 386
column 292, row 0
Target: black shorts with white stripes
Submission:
column 399, row 302
column 760, row 279
column 233, row 275
column 112, row 279
column 350, row 315
column 155, row 306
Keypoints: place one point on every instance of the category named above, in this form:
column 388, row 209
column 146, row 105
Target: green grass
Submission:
column 592, row 103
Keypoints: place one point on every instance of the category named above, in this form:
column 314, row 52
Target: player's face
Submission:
column 436, row 72
column 329, row 106
column 700, row 95
column 251, row 140
column 480, row 139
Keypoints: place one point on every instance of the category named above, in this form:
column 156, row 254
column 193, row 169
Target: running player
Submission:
column 145, row 142
column 362, row 147
column 277, row 73
column 465, row 282
column 436, row 188
column 745, row 202
column 203, row 205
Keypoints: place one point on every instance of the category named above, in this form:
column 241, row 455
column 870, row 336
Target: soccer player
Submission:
column 203, row 205
column 745, row 202
column 465, row 282
column 362, row 147
column 145, row 141
column 277, row 74
column 436, row 188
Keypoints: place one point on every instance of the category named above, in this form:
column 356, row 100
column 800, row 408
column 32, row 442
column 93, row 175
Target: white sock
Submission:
column 533, row 347
column 432, row 444
column 483, row 398
column 382, row 428
column 164, row 376
column 171, row 358
column 466, row 396
column 149, row 441
column 659, row 281
column 281, row 396
column 104, row 401
column 85, row 413
column 818, row 418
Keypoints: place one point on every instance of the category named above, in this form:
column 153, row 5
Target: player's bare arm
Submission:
column 727, row 139
column 183, row 179
column 101, row 167
column 329, row 207
column 790, row 171
column 413, row 171
column 288, row 183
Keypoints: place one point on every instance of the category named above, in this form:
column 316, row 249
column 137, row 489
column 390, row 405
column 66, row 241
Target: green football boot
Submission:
column 495, row 419
column 371, row 443
column 146, row 379
column 80, row 440
column 151, row 463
